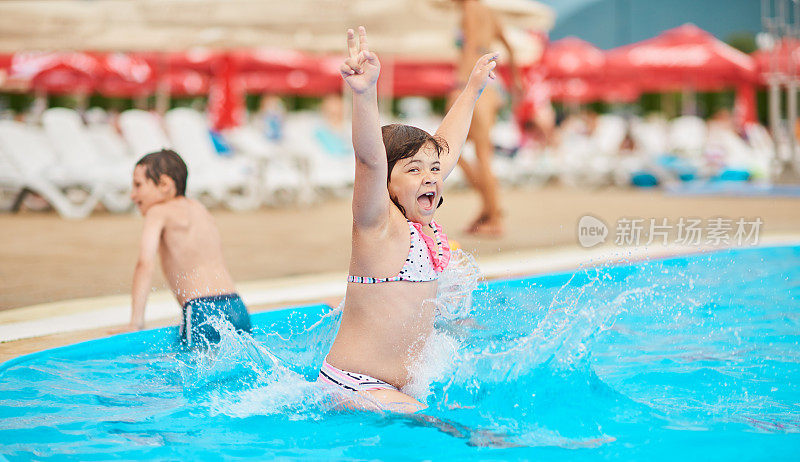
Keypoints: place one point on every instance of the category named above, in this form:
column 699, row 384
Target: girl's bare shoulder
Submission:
column 393, row 227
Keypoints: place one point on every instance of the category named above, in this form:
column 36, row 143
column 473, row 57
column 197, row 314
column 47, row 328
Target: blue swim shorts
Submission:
column 196, row 329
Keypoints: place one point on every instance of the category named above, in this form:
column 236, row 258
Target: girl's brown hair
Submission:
column 403, row 141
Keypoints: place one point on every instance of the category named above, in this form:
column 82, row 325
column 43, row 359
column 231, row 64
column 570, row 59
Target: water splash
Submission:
column 456, row 284
column 241, row 376
column 453, row 309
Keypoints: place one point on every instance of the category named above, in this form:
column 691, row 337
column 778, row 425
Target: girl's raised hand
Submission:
column 362, row 68
column 483, row 71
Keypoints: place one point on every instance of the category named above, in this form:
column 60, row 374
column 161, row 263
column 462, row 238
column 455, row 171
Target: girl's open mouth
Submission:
column 426, row 200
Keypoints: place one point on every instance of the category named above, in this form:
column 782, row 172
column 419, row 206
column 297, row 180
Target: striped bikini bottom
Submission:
column 350, row 380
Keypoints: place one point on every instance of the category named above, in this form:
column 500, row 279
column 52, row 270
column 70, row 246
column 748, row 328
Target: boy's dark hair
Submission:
column 166, row 162
column 403, row 141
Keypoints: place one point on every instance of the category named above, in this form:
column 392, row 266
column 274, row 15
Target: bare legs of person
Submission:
column 379, row 400
column 479, row 174
column 396, row 401
column 406, row 407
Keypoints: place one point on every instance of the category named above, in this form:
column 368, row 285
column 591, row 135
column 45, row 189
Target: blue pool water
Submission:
column 694, row 358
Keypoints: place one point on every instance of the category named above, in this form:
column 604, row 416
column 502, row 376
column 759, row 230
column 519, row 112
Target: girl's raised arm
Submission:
column 455, row 126
column 370, row 195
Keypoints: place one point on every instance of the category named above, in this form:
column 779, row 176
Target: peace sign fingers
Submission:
column 362, row 38
column 351, row 64
column 361, row 68
column 352, row 44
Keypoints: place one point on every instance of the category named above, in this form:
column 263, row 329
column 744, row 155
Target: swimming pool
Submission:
column 693, row 357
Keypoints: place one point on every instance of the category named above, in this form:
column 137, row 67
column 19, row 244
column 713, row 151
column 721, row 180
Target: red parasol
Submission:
column 187, row 82
column 226, row 98
column 783, row 59
column 578, row 90
column 744, row 108
column 268, row 59
column 685, row 56
column 422, row 78
column 288, row 72
column 291, row 82
column 196, row 59
column 126, row 75
column 60, row 73
column 5, row 61
column 5, row 67
column 572, row 57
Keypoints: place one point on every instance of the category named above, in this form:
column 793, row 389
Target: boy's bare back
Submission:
column 184, row 236
column 190, row 249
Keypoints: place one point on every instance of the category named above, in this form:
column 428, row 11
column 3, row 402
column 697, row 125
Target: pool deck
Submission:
column 34, row 328
column 67, row 281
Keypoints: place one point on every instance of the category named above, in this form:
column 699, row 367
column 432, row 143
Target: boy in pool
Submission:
column 184, row 235
column 398, row 251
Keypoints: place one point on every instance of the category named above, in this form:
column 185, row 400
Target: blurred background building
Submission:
column 612, row 23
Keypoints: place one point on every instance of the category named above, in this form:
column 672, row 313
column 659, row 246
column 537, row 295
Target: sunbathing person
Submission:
column 184, row 235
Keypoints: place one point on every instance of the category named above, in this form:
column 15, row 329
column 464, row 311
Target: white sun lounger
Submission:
column 579, row 161
column 142, row 132
column 81, row 159
column 328, row 173
column 34, row 169
column 11, row 182
column 687, row 137
column 575, row 160
column 609, row 134
column 506, row 136
column 232, row 181
column 110, row 143
column 651, row 135
column 282, row 178
column 765, row 158
column 525, row 166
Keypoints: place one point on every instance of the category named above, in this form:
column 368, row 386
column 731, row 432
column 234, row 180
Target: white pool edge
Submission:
column 102, row 312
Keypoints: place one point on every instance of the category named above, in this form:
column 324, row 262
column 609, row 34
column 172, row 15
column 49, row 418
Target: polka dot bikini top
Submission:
column 426, row 258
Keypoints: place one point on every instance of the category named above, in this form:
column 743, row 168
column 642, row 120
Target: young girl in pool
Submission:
column 397, row 249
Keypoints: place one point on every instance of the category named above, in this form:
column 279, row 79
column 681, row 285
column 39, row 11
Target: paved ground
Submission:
column 44, row 258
